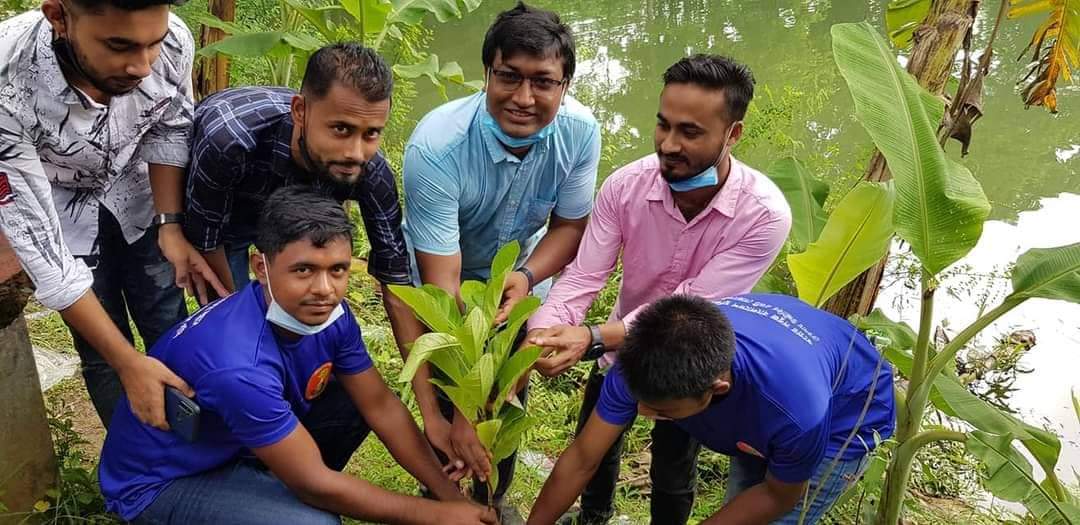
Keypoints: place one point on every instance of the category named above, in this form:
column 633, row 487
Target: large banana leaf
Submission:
column 903, row 17
column 1048, row 273
column 940, row 207
column 1056, row 45
column 272, row 44
column 412, row 12
column 806, row 196
column 855, row 237
column 1009, row 477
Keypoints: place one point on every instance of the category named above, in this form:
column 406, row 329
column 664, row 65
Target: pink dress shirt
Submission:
column 723, row 251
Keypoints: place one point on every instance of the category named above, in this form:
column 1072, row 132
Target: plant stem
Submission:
column 900, row 470
column 896, row 478
column 948, row 354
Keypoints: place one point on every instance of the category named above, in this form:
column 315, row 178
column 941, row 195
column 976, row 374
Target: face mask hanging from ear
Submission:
column 710, row 176
column 278, row 316
column 66, row 55
column 492, row 125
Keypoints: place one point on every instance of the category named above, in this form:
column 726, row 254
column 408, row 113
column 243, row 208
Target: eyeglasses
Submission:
column 511, row 80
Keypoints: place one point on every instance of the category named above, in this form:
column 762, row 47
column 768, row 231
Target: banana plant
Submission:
column 305, row 28
column 936, row 206
column 475, row 363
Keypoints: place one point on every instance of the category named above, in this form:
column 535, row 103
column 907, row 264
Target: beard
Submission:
column 322, row 176
column 71, row 62
column 670, row 163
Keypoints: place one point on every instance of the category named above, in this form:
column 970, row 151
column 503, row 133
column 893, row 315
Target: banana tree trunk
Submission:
column 27, row 461
column 212, row 74
column 931, row 61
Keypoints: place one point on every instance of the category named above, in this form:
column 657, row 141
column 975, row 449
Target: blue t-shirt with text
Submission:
column 801, row 378
column 251, row 386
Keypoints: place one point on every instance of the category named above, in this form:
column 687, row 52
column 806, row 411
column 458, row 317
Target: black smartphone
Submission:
column 182, row 413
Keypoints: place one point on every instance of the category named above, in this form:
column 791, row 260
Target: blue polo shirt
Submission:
column 464, row 192
column 251, row 386
column 801, row 378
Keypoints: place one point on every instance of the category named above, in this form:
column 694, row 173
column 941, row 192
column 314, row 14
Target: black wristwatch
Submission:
column 596, row 345
column 161, row 219
column 528, row 276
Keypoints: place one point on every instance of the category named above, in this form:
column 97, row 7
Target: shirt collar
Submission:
column 724, row 201
column 51, row 74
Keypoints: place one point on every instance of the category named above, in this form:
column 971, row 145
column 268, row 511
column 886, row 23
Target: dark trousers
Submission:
column 673, row 470
column 244, row 492
column 129, row 279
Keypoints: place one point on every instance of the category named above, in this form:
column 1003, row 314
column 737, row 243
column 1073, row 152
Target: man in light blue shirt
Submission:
column 496, row 167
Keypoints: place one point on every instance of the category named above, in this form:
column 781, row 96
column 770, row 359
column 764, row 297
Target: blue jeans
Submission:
column 745, row 471
column 129, row 279
column 244, row 492
column 239, row 263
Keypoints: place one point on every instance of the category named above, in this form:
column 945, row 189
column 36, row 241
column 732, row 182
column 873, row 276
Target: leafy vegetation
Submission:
column 378, row 24
column 939, row 210
column 477, row 361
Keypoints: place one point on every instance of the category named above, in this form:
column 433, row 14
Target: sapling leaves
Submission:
column 426, row 307
column 422, row 350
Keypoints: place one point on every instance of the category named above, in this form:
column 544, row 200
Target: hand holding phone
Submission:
column 182, row 414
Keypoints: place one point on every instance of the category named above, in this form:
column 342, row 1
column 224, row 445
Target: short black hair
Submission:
column 126, row 5
column 292, row 213
column 716, row 72
column 353, row 65
column 676, row 349
column 530, row 30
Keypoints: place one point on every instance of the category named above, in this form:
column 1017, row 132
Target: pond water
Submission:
column 1028, row 161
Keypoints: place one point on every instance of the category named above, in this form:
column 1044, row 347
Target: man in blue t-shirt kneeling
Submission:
column 287, row 393
column 796, row 396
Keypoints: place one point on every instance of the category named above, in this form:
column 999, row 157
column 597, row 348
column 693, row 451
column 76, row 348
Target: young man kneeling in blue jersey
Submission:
column 796, row 396
column 287, row 392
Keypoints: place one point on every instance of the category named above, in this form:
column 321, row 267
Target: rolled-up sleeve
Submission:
column 168, row 141
column 431, row 204
column 28, row 219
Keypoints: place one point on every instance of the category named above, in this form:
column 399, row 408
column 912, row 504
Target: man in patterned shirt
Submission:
column 95, row 110
column 250, row 141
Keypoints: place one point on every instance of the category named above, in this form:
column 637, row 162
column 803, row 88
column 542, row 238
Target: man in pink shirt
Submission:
column 690, row 219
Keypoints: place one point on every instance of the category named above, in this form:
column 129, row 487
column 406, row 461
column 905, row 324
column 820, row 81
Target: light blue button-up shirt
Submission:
column 464, row 192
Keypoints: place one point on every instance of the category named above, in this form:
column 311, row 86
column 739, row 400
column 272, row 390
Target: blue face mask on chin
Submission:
column 709, row 177
column 278, row 316
column 516, row 142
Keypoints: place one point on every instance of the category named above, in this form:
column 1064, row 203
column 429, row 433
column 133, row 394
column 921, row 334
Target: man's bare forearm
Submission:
column 397, row 430
column 91, row 322
column 565, row 484
column 362, row 500
column 167, row 186
column 557, row 248
column 756, row 505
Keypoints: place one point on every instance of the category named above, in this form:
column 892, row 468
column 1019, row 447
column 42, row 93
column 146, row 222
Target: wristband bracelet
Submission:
column 529, row 276
column 161, row 219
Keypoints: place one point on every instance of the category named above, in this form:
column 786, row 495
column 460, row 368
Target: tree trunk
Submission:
column 937, row 42
column 212, row 73
column 27, row 460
